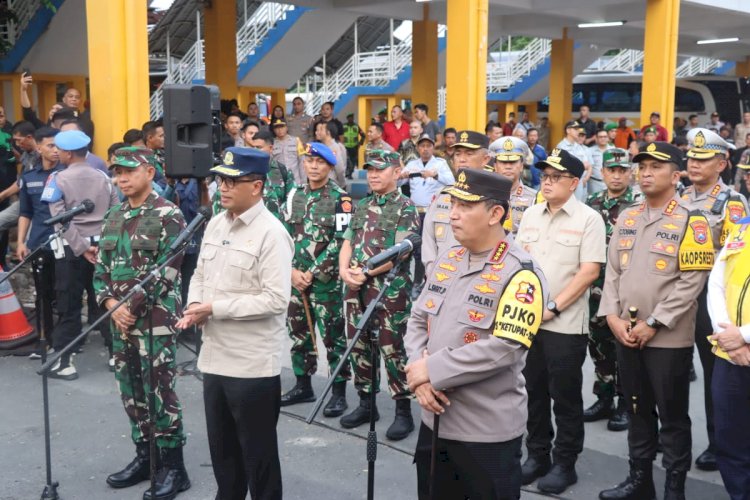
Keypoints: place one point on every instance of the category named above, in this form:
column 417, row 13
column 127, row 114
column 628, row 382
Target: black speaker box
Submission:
column 192, row 129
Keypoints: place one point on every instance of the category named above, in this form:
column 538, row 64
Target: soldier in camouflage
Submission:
column 279, row 182
column 136, row 235
column 317, row 215
column 610, row 202
column 381, row 220
column 510, row 153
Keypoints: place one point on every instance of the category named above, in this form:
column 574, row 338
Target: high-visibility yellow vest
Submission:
column 737, row 278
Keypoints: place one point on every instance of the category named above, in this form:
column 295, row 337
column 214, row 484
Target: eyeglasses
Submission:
column 555, row 178
column 230, row 182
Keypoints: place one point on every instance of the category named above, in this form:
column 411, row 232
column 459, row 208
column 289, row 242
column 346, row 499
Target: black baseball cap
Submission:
column 561, row 160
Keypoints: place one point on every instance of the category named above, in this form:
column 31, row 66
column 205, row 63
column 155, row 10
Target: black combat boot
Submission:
column 403, row 424
column 619, row 421
column 360, row 415
column 674, row 487
column 534, row 467
column 302, row 392
column 171, row 478
column 337, row 404
column 638, row 486
column 600, row 410
column 135, row 472
column 707, row 460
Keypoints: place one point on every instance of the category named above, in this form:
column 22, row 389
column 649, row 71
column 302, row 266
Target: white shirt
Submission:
column 717, row 304
column 424, row 190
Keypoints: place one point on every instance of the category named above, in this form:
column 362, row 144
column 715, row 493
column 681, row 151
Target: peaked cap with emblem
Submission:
column 243, row 161
column 574, row 124
column 278, row 122
column 561, row 160
column 470, row 139
column 616, row 157
column 380, row 159
column 479, row 185
column 660, row 151
column 509, row 149
column 705, row 144
column 133, row 157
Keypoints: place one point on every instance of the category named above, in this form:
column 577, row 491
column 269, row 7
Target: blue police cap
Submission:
column 243, row 161
column 322, row 151
column 70, row 140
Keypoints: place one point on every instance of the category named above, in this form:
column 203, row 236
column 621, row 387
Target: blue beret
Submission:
column 322, row 151
column 243, row 161
column 70, row 140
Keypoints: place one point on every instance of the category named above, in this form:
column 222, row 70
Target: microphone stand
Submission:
column 362, row 324
column 146, row 286
column 50, row 488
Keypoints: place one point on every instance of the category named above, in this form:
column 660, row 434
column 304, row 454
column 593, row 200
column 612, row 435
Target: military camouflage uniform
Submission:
column 601, row 339
column 316, row 221
column 132, row 243
column 279, row 183
column 379, row 222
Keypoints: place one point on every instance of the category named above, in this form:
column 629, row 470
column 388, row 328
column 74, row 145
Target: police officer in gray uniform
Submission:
column 467, row 340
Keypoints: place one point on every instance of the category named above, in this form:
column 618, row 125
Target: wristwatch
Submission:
column 652, row 322
column 552, row 306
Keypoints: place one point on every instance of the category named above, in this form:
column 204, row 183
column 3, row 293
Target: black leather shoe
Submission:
column 360, row 415
column 337, row 404
column 533, row 468
column 707, row 461
column 135, row 472
column 638, row 486
column 601, row 409
column 674, row 486
column 620, row 420
column 302, row 392
column 558, row 479
column 171, row 478
column 403, row 424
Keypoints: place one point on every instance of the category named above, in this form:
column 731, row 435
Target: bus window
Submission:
column 688, row 101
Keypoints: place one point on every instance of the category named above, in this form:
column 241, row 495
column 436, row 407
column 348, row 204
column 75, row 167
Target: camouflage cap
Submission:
column 616, row 157
column 380, row 160
column 133, row 157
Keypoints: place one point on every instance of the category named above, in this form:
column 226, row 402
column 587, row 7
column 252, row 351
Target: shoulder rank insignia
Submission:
column 520, row 309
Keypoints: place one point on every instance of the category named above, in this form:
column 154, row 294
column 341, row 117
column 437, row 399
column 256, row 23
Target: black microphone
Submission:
column 204, row 213
column 85, row 206
column 406, row 246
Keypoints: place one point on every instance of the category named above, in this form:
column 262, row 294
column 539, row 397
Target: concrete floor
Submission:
column 319, row 461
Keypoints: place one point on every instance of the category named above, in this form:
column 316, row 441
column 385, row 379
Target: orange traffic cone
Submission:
column 14, row 328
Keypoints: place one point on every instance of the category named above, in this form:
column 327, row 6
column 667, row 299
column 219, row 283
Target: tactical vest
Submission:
column 323, row 211
column 351, row 136
column 145, row 237
column 387, row 220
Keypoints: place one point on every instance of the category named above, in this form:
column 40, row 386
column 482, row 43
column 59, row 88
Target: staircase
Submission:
column 503, row 75
column 625, row 61
column 17, row 37
column 693, row 66
column 377, row 68
column 190, row 69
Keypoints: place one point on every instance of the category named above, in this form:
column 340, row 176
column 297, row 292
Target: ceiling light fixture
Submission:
column 603, row 24
column 717, row 40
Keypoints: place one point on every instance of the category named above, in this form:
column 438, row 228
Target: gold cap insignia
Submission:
column 229, row 158
column 508, row 145
column 555, row 152
column 699, row 140
column 651, row 148
column 462, row 177
column 464, row 137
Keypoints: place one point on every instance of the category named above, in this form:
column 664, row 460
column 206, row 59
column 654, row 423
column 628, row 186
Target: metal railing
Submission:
column 364, row 69
column 191, row 67
column 627, row 60
column 441, row 101
column 24, row 10
column 503, row 75
column 698, row 66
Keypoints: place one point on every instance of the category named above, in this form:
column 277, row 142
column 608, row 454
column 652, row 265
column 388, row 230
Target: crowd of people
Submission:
column 533, row 252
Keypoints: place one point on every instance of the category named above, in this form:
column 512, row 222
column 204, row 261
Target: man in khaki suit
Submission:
column 657, row 262
column 467, row 340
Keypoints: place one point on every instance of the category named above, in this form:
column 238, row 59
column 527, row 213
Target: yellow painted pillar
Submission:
column 46, row 97
column 243, row 98
column 118, row 73
column 424, row 62
column 742, row 68
column 561, row 86
column 278, row 97
column 660, row 59
column 511, row 107
column 364, row 116
column 466, row 64
column 219, row 20
column 531, row 109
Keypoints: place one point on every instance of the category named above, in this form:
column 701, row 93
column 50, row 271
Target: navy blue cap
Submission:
column 243, row 161
column 70, row 140
column 322, row 151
